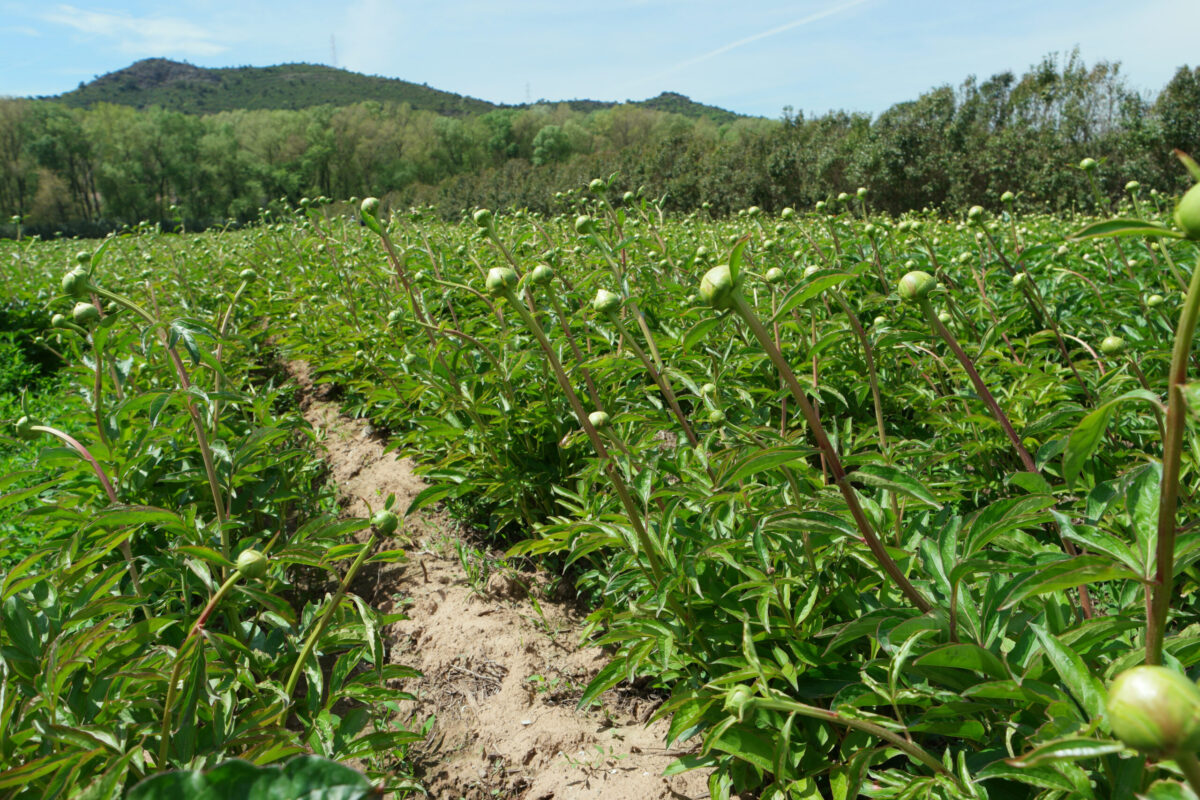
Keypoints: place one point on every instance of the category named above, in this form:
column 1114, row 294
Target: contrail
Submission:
column 829, row 12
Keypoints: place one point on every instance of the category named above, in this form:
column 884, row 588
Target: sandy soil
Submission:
column 502, row 665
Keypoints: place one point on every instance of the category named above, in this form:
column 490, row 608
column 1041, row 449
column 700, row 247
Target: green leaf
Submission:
column 1090, row 431
column 965, row 656
column 302, row 778
column 1043, row 776
column 892, row 479
column 1141, row 501
column 763, row 460
column 1123, row 227
column 1083, row 686
column 1168, row 790
column 1068, row 573
column 1070, row 749
column 807, row 291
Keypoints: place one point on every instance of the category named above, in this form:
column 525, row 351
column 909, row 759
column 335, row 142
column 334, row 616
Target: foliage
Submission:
column 130, row 643
column 867, row 546
column 91, row 169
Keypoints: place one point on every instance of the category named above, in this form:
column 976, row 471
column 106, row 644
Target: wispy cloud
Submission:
column 723, row 49
column 140, row 35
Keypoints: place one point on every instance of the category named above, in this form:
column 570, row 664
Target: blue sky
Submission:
column 754, row 57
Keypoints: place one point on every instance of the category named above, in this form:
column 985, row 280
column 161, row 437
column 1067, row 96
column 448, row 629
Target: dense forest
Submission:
column 82, row 170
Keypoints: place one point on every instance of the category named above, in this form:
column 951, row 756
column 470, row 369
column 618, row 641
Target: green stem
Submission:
column 870, row 728
column 631, row 509
column 1164, row 570
column 165, row 730
column 835, row 463
column 1190, row 767
column 87, row 456
column 314, row 636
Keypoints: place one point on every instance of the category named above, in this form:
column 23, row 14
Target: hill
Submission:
column 179, row 86
column 197, row 90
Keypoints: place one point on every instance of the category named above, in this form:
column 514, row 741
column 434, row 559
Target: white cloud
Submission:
column 141, row 36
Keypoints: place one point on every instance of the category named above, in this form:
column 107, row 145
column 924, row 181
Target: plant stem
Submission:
column 198, row 626
column 878, row 731
column 631, row 509
column 835, row 464
column 1189, row 765
column 311, row 642
column 126, row 551
column 1164, row 569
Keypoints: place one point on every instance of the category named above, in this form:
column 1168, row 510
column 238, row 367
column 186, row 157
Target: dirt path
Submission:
column 502, row 669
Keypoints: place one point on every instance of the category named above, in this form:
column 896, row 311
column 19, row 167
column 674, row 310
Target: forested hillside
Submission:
column 80, row 169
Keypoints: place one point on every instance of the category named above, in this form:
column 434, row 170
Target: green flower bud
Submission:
column 843, row 197
column 501, row 280
column 1133, row 187
column 708, row 389
column 1088, row 164
column 810, row 270
column 83, row 258
column 1008, row 198
column 606, row 302
column 1154, row 300
column 541, row 275
column 58, row 321
column 599, row 420
column 716, row 417
column 1187, row 213
column 628, row 197
column 880, row 321
column 1155, row 710
column 820, row 206
column 597, row 186
column 248, row 275
column 85, row 314
column 483, row 218
column 916, row 285
column 787, row 213
column 716, row 287
column 975, row 214
column 584, row 224
column 1020, row 279
column 774, row 275
column 395, row 316
column 753, row 211
column 862, row 192
column 24, row 430
column 75, row 283
column 944, row 317
column 385, row 522
column 738, row 699
column 1112, row 346
column 252, row 564
column 370, row 207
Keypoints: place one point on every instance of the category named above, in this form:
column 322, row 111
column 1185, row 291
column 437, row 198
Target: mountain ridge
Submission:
column 180, row 86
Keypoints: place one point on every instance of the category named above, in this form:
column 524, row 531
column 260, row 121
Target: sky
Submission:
column 753, row 57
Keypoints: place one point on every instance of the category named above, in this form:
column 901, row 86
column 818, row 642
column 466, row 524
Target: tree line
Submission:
column 81, row 169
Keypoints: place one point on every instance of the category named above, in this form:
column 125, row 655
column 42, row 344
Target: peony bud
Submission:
column 916, row 286
column 252, row 564
column 716, row 287
column 385, row 522
column 1155, row 710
